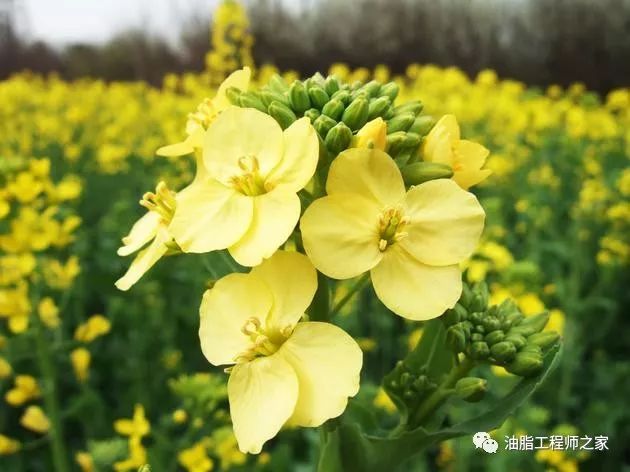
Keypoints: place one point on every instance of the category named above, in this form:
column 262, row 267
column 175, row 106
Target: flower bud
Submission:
column 250, row 100
column 312, row 114
column 456, row 338
column 503, row 351
column 531, row 324
column 334, row 108
column 373, row 135
column 479, row 350
column 494, row 337
column 298, row 96
column 372, row 88
column 278, row 84
column 476, row 336
column 419, row 172
column 233, row 94
column 338, row 138
column 490, row 323
column 343, row 96
column 525, row 364
column 377, row 106
column 355, row 116
column 318, row 96
column 323, row 124
column 268, row 97
column 331, row 85
column 400, row 122
column 414, row 107
column 422, row 125
column 480, row 297
column 516, row 339
column 282, row 114
column 531, row 348
column 390, row 90
column 544, row 339
column 471, row 389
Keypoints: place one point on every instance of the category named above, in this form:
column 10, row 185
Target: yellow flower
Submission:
column 84, row 460
column 35, row 419
column 286, row 372
column 195, row 458
column 443, row 145
column 94, row 327
column 151, row 229
column 25, row 389
column 137, row 426
column 206, row 113
column 8, row 446
column 48, row 312
column 5, row 368
column 60, row 276
column 372, row 135
column 410, row 242
column 225, row 447
column 26, row 187
column 180, row 416
column 137, row 456
column 530, row 304
column 80, row 358
column 247, row 202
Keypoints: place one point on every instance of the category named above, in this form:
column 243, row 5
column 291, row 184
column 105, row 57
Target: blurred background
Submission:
column 540, row 42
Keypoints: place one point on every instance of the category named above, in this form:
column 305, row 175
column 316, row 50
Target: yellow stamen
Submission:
column 162, row 202
column 390, row 227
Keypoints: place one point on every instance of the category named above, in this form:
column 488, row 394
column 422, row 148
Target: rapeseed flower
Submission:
column 35, row 419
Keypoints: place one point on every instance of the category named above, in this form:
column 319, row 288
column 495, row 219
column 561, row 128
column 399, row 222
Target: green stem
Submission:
column 47, row 369
column 356, row 288
column 439, row 396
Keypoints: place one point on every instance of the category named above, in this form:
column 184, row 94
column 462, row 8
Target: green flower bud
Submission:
column 372, row 88
column 451, row 317
column 250, row 100
column 476, row 317
column 544, row 339
column 298, row 96
column 338, row 138
column 312, row 114
column 476, row 336
column 390, row 90
column 342, row 95
column 456, row 338
column 503, row 351
column 331, row 85
column 513, row 319
column 421, row 383
column 388, row 113
column 531, row 324
column 516, row 339
column 396, row 142
column 282, row 114
column 494, row 337
column 480, row 297
column 479, row 350
column 490, row 323
column 414, row 107
column 525, row 364
column 233, row 94
column 318, row 79
column 400, row 122
column 466, row 297
column 471, row 389
column 334, row 108
column 318, row 96
column 355, row 116
column 531, row 348
column 377, row 106
column 278, row 84
column 422, row 125
column 405, row 379
column 323, row 124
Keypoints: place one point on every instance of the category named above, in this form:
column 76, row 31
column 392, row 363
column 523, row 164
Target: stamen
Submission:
column 250, row 182
column 162, row 202
column 390, row 227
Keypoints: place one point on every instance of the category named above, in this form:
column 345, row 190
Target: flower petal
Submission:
column 210, row 216
column 145, row 260
column 225, row 309
column 301, row 153
column 143, row 231
column 368, row 172
column 340, row 235
column 262, row 396
column 412, row 289
column 446, row 223
column 242, row 132
column 238, row 79
column 274, row 217
column 471, row 157
column 327, row 362
column 438, row 145
column 292, row 280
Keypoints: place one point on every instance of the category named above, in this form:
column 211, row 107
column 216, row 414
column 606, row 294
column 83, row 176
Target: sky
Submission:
column 65, row 21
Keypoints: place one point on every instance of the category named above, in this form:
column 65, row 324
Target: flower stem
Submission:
column 356, row 288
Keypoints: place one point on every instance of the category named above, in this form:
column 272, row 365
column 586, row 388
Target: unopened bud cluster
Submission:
column 339, row 110
column 409, row 384
column 500, row 335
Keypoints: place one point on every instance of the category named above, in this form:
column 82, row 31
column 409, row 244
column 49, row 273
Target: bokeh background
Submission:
column 93, row 379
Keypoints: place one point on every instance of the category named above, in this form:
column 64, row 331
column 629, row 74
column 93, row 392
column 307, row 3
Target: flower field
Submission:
column 104, row 371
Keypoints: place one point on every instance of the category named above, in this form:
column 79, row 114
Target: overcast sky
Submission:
column 64, row 21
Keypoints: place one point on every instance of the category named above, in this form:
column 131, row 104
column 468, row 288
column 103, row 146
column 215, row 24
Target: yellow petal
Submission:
column 292, row 280
column 471, row 157
column 339, row 233
column 327, row 362
column 242, row 132
column 262, row 395
column 177, row 149
column 446, row 223
column 438, row 145
column 224, row 311
column 373, row 134
column 143, row 231
column 274, row 217
column 238, row 79
column 145, row 260
column 210, row 216
column 412, row 289
column 124, row 427
column 301, row 153
column 368, row 172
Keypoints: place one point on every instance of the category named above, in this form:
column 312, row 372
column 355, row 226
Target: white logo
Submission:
column 484, row 441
